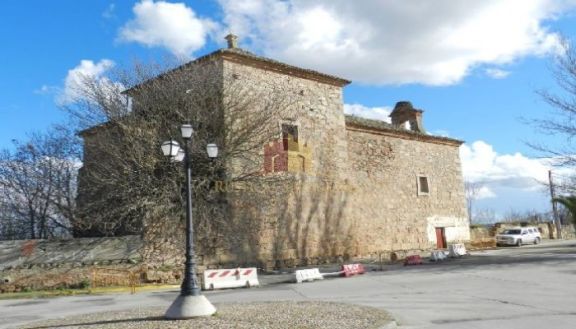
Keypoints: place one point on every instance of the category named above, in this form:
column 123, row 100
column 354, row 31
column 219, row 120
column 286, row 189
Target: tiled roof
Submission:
column 286, row 67
column 377, row 125
column 239, row 54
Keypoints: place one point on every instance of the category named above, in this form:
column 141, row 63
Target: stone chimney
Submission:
column 232, row 40
column 404, row 112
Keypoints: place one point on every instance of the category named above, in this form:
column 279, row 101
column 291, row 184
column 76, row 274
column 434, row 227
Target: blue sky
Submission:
column 472, row 66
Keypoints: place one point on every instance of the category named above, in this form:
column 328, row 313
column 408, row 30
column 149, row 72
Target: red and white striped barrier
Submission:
column 413, row 260
column 352, row 269
column 230, row 278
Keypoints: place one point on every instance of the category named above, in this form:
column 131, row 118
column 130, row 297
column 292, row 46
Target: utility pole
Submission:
column 554, row 209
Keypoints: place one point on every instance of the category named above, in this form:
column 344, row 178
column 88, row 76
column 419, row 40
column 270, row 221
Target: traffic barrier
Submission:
column 413, row 260
column 230, row 278
column 352, row 269
column 437, row 255
column 456, row 250
column 308, row 275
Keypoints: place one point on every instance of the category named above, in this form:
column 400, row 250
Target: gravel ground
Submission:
column 273, row 315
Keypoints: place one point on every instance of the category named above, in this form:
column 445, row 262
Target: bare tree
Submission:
column 528, row 216
column 128, row 187
column 485, row 216
column 11, row 226
column 38, row 185
column 472, row 190
column 561, row 120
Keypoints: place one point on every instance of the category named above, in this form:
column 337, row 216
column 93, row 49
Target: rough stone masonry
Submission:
column 356, row 188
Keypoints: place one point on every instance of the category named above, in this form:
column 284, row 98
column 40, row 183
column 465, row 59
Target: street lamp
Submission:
column 190, row 303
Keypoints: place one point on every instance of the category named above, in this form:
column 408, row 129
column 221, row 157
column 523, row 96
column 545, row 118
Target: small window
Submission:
column 290, row 131
column 289, row 134
column 423, row 188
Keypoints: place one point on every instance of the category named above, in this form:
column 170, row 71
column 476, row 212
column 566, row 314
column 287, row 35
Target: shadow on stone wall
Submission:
column 295, row 222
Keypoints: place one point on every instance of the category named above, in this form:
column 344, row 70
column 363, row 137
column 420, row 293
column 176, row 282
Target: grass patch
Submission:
column 86, row 291
column 45, row 293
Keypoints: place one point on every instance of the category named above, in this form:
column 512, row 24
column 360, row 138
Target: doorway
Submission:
column 440, row 238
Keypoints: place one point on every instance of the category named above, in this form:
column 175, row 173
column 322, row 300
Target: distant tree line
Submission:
column 38, row 185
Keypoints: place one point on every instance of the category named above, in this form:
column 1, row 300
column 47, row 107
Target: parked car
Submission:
column 519, row 236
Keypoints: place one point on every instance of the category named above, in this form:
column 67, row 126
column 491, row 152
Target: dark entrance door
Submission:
column 440, row 238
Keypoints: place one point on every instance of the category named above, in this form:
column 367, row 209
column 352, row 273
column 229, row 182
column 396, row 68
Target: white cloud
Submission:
column 171, row 25
column 77, row 77
column 507, row 182
column 376, row 113
column 481, row 164
column 484, row 192
column 496, row 73
column 396, row 41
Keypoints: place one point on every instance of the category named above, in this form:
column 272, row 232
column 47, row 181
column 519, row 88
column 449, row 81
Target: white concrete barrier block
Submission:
column 308, row 275
column 437, row 255
column 457, row 250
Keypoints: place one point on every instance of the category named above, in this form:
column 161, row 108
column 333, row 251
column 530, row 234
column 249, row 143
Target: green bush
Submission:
column 84, row 284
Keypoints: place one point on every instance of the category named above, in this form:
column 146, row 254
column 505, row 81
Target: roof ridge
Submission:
column 379, row 125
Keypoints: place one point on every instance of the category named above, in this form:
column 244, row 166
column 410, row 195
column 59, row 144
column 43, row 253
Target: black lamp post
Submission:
column 190, row 303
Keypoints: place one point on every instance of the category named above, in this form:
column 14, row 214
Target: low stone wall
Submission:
column 72, row 263
column 568, row 231
column 478, row 233
column 67, row 277
column 547, row 230
column 73, row 252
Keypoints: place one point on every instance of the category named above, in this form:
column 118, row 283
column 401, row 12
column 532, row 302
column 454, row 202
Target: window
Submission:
column 423, row 188
column 290, row 130
column 289, row 133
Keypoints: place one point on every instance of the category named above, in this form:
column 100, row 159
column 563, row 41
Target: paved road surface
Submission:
column 527, row 287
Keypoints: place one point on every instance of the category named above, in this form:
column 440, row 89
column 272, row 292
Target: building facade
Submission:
column 347, row 187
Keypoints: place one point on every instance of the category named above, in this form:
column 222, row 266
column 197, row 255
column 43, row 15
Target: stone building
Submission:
column 357, row 188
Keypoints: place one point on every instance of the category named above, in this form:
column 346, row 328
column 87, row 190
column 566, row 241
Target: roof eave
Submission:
column 405, row 134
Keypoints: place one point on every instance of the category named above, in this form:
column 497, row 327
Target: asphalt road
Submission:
column 526, row 287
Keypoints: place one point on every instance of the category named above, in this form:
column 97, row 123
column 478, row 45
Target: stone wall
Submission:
column 51, row 264
column 479, row 233
column 315, row 108
column 568, row 231
column 547, row 230
column 358, row 198
column 295, row 216
column 345, row 192
column 386, row 204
